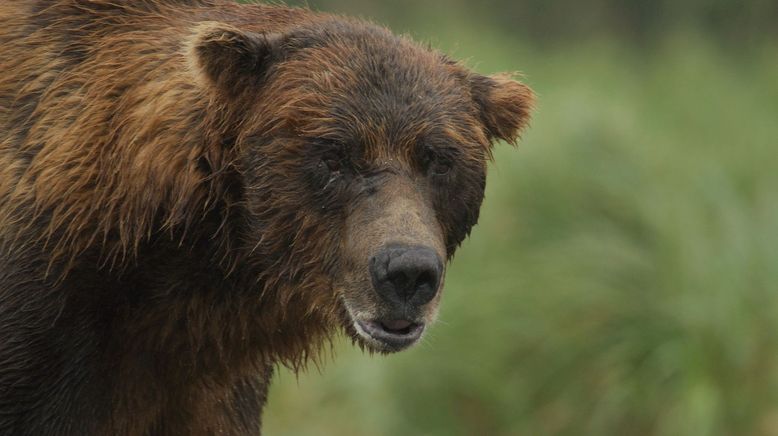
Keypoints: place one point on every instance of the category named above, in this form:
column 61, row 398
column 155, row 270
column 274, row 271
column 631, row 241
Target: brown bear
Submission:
column 194, row 191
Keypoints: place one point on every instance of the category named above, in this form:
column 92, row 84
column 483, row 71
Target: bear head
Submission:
column 362, row 161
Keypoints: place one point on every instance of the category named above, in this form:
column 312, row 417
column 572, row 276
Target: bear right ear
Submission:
column 232, row 59
column 504, row 105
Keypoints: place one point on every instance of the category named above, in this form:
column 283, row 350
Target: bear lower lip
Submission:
column 396, row 325
column 393, row 334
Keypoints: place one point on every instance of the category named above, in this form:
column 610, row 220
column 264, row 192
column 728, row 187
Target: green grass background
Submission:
column 623, row 278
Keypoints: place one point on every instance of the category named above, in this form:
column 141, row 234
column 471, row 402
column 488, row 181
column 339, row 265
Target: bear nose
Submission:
column 406, row 273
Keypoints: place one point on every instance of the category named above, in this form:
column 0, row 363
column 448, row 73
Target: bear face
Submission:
column 377, row 150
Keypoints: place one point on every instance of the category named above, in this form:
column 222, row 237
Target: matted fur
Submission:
column 154, row 263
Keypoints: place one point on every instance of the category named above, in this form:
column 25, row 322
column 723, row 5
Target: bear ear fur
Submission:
column 504, row 105
column 234, row 60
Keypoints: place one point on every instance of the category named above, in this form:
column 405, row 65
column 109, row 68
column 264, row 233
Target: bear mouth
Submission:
column 389, row 335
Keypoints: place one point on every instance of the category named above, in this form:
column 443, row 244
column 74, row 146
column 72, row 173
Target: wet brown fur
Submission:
column 161, row 245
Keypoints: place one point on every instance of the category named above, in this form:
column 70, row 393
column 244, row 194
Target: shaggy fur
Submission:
column 188, row 193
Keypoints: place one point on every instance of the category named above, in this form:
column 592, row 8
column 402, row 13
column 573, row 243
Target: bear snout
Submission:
column 406, row 274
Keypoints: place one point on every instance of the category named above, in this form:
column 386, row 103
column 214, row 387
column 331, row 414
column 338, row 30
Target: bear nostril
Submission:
column 425, row 280
column 408, row 274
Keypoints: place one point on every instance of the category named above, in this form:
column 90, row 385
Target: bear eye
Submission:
column 438, row 161
column 333, row 162
column 441, row 167
column 333, row 165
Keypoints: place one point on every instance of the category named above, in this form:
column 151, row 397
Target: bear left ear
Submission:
column 504, row 104
column 232, row 59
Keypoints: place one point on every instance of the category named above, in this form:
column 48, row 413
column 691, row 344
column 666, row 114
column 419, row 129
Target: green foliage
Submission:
column 566, row 21
column 623, row 279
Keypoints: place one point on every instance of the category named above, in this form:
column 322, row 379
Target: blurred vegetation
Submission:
column 623, row 279
column 728, row 22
